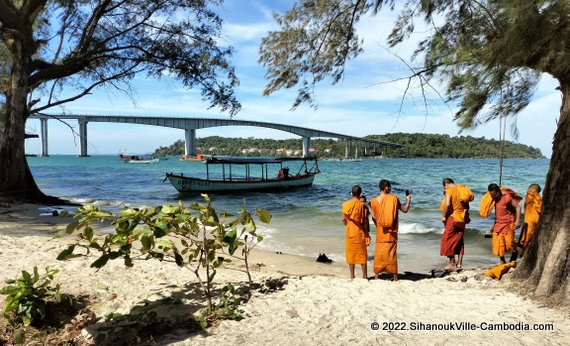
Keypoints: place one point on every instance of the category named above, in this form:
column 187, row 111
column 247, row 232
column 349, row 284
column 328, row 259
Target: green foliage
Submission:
column 28, row 296
column 416, row 145
column 315, row 39
column 490, row 53
column 114, row 45
column 193, row 236
column 227, row 305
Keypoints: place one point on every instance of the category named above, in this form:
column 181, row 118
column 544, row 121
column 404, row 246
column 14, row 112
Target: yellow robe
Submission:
column 532, row 210
column 385, row 212
column 354, row 212
column 498, row 271
column 460, row 197
column 488, row 204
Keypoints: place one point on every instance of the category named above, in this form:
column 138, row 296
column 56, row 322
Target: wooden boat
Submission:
column 143, row 161
column 197, row 158
column 137, row 159
column 273, row 176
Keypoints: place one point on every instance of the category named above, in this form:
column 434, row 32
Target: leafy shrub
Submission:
column 195, row 237
column 28, row 296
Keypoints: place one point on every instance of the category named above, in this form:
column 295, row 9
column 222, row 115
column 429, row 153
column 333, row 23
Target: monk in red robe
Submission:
column 507, row 219
column 385, row 209
column 455, row 208
column 355, row 216
column 532, row 210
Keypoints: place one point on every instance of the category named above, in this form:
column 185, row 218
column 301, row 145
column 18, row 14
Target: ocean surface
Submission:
column 307, row 221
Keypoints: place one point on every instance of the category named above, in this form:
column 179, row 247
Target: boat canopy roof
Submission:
column 252, row 160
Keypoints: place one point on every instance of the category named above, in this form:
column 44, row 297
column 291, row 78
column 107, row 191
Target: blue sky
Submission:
column 359, row 105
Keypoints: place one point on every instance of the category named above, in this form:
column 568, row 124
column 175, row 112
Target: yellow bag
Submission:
column 487, row 205
column 465, row 194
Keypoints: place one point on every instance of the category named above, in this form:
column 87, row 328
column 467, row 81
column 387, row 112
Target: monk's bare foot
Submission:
column 376, row 277
column 449, row 267
column 395, row 278
column 499, row 263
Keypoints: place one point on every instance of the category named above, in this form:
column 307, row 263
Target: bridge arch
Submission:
column 189, row 125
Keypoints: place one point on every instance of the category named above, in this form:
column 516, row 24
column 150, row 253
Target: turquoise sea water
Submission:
column 307, row 221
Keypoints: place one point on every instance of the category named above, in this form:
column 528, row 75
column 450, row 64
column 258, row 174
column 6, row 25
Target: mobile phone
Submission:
column 407, row 192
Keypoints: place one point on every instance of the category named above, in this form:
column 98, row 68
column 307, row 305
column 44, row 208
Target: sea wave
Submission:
column 417, row 228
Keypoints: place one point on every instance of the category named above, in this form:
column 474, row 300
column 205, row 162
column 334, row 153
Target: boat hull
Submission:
column 143, row 161
column 189, row 184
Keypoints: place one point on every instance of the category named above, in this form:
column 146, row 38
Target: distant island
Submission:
column 416, row 145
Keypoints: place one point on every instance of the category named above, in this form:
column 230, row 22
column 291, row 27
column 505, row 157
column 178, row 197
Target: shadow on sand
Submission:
column 411, row 276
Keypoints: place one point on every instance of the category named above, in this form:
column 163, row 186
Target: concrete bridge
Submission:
column 190, row 125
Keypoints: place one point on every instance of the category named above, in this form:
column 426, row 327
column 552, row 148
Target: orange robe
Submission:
column 505, row 215
column 385, row 212
column 497, row 272
column 504, row 228
column 452, row 238
column 354, row 212
column 532, row 210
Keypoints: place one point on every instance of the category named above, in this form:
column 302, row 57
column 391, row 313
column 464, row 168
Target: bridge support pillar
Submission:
column 44, row 136
column 82, row 138
column 190, row 145
column 306, row 146
column 347, row 148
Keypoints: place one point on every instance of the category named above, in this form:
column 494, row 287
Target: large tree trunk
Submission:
column 16, row 180
column 546, row 262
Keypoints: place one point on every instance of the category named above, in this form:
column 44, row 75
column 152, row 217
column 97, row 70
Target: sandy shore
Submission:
column 318, row 305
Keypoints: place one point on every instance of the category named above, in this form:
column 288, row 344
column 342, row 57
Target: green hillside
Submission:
column 416, row 145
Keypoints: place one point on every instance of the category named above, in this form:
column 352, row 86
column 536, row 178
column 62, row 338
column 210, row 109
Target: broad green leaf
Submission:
column 264, row 215
column 88, row 233
column 19, row 336
column 147, row 242
column 165, row 244
column 71, row 227
column 27, row 277
column 169, row 209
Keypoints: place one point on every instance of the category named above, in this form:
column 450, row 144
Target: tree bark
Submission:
column 16, row 180
column 546, row 262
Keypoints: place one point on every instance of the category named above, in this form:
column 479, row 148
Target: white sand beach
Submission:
column 318, row 305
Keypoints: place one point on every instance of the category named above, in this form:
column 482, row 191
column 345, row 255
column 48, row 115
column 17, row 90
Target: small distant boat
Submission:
column 344, row 159
column 143, row 161
column 137, row 159
column 229, row 181
column 197, row 158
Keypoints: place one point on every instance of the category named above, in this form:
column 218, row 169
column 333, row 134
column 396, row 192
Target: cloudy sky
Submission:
column 361, row 104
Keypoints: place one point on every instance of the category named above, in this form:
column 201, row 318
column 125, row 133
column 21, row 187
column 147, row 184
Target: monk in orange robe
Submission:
column 455, row 208
column 385, row 209
column 354, row 216
column 507, row 219
column 532, row 210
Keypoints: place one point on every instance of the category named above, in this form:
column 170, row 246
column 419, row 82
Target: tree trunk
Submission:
column 16, row 180
column 546, row 263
